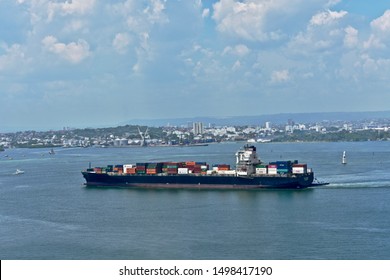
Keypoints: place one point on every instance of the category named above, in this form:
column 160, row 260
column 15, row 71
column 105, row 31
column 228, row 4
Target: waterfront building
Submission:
column 198, row 128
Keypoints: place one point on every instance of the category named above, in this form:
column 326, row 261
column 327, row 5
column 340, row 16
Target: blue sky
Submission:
column 88, row 62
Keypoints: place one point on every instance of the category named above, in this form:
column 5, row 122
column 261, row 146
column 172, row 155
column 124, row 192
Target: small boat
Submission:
column 261, row 140
column 51, row 152
column 18, row 172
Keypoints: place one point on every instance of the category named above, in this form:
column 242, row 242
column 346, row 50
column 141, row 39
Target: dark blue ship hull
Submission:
column 199, row 181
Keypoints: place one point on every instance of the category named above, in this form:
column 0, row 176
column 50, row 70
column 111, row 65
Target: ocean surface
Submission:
column 47, row 212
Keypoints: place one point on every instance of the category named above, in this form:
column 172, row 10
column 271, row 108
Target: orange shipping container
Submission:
column 223, row 168
column 131, row 170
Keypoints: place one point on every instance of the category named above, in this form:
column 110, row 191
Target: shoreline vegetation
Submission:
column 130, row 136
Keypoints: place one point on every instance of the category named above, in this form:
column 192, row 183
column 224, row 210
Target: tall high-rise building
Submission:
column 197, row 128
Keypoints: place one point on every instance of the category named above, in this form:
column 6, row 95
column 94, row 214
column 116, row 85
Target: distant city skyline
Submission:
column 96, row 63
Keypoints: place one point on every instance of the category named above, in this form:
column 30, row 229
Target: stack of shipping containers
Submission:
column 261, row 169
column 284, row 167
column 118, row 169
column 129, row 168
column 192, row 167
column 141, row 168
column 170, row 167
column 154, row 168
column 272, row 168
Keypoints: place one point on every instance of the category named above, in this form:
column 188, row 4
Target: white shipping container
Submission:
column 210, row 172
column 272, row 171
column 203, row 166
column 227, row 172
column 182, row 170
column 261, row 170
column 215, row 168
column 299, row 170
column 127, row 166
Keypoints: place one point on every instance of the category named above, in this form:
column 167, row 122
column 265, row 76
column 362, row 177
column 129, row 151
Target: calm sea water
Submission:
column 47, row 213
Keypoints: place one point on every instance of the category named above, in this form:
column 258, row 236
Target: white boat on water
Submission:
column 18, row 172
column 261, row 140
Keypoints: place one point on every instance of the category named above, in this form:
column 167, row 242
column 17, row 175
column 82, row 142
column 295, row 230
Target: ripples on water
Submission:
column 47, row 213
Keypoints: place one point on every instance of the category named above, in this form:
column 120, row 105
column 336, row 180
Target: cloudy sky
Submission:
column 93, row 62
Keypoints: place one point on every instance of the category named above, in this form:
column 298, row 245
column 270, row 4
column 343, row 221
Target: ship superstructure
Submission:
column 246, row 161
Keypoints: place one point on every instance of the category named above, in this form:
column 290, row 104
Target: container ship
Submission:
column 249, row 173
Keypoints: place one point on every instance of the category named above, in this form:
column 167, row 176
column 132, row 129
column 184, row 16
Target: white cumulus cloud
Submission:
column 280, row 76
column 380, row 32
column 236, row 65
column 351, row 37
column 239, row 50
column 242, row 19
column 374, row 43
column 205, row 13
column 323, row 32
column 382, row 23
column 265, row 20
column 155, row 12
column 140, row 19
column 12, row 57
column 76, row 25
column 121, row 42
column 70, row 7
column 378, row 68
column 327, row 17
column 73, row 52
column 47, row 9
column 332, row 3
